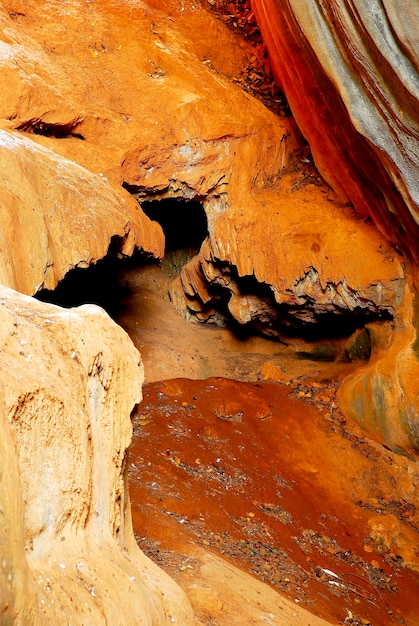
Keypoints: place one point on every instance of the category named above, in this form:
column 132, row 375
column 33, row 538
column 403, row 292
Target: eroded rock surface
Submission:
column 70, row 381
column 138, row 98
column 350, row 75
column 95, row 96
column 56, row 215
column 313, row 263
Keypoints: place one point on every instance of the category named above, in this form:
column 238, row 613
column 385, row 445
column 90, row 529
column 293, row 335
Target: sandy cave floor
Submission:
column 258, row 497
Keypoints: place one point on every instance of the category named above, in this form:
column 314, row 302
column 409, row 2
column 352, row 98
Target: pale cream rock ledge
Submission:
column 70, row 379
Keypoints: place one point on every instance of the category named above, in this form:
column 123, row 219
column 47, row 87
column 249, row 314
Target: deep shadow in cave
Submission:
column 97, row 284
column 184, row 222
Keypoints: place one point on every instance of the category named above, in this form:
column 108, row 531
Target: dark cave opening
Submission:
column 98, row 284
column 184, row 222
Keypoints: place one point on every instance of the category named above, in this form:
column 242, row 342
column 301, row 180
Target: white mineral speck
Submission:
column 329, row 571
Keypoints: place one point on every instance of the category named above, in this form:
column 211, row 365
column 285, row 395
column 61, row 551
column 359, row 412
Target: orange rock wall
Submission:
column 349, row 72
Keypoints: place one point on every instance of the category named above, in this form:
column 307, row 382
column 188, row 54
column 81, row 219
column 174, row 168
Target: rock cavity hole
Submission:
column 114, row 283
column 184, row 222
column 99, row 283
column 185, row 227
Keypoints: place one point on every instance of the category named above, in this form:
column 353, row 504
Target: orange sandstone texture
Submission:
column 57, row 215
column 350, row 76
column 383, row 396
column 136, row 97
column 93, row 96
column 307, row 248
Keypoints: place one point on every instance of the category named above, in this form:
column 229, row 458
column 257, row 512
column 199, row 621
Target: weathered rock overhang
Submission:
column 350, row 74
column 307, row 309
column 57, row 216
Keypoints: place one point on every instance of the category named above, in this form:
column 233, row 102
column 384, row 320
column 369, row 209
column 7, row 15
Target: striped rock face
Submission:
column 350, row 76
column 108, row 105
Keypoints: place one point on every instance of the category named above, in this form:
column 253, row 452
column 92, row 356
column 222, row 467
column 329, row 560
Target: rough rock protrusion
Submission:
column 310, row 264
column 350, row 74
column 70, row 380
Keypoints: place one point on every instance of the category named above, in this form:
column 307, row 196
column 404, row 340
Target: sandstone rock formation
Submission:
column 69, row 382
column 72, row 128
column 56, row 216
column 319, row 271
column 350, row 73
column 100, row 96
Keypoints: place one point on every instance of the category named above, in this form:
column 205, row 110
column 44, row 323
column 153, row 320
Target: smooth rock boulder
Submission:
column 383, row 396
column 70, row 381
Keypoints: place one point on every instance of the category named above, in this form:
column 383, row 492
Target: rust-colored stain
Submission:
column 286, row 489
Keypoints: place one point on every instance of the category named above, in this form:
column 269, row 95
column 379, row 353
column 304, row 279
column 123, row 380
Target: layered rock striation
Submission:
column 103, row 104
column 350, row 73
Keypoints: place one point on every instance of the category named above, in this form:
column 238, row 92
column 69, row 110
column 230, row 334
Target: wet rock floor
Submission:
column 273, row 478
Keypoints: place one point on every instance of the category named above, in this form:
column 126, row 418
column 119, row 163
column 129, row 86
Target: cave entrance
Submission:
column 126, row 285
column 184, row 222
column 98, row 283
column 185, row 227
